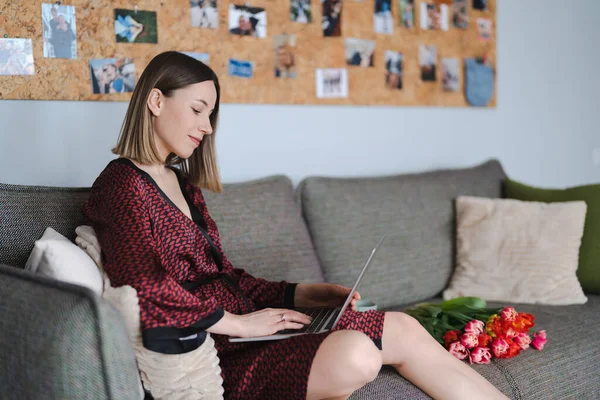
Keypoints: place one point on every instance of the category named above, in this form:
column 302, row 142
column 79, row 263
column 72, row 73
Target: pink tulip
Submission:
column 475, row 327
column 500, row 347
column 539, row 340
column 509, row 314
column 481, row 355
column 469, row 340
column 511, row 333
column 523, row 340
column 458, row 350
column 541, row 333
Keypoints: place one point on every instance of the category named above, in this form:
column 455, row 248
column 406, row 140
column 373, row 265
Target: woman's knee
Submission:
column 366, row 358
column 357, row 355
column 403, row 335
column 345, row 361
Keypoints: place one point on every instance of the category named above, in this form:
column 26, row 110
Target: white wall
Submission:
column 543, row 130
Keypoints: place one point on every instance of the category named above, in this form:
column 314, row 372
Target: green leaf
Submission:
column 434, row 311
column 459, row 316
column 476, row 302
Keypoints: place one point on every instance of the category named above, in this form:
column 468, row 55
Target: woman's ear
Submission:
column 155, row 102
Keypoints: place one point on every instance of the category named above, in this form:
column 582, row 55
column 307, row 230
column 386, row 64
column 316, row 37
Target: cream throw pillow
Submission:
column 56, row 257
column 192, row 375
column 516, row 251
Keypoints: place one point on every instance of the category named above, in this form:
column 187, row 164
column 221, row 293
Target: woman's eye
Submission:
column 196, row 111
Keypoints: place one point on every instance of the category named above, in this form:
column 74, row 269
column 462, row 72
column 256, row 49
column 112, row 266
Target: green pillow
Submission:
column 588, row 271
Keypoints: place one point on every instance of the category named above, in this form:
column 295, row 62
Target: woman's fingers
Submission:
column 290, row 325
column 295, row 316
column 290, row 315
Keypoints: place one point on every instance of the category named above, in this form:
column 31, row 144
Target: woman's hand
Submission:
column 269, row 321
column 323, row 295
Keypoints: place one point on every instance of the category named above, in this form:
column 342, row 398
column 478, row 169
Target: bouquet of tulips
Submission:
column 471, row 331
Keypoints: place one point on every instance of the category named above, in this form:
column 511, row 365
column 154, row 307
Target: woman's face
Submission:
column 182, row 120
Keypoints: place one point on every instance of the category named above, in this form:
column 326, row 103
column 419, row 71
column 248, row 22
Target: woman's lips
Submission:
column 195, row 140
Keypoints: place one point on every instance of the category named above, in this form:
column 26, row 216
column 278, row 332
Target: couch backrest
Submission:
column 61, row 341
column 261, row 226
column 26, row 211
column 347, row 216
column 262, row 230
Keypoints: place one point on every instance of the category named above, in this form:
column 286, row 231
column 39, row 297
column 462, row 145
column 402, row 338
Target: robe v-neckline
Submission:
column 197, row 218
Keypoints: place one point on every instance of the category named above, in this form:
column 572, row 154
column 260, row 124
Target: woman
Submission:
column 156, row 235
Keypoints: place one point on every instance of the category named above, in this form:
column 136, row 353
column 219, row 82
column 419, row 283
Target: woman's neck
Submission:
column 157, row 169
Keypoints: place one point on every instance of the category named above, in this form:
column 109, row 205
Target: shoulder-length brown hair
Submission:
column 168, row 72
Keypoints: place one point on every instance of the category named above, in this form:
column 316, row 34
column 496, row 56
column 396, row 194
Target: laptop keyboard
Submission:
column 319, row 319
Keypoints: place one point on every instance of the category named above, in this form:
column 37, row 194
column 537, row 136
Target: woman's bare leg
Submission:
column 418, row 357
column 345, row 361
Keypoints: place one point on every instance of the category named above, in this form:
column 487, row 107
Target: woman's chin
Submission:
column 185, row 154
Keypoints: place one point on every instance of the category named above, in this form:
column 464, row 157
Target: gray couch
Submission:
column 60, row 341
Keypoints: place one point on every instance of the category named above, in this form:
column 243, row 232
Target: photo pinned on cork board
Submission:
column 383, row 20
column 450, row 74
column 428, row 62
column 203, row 57
column 460, row 18
column 204, row 14
column 360, row 52
column 484, row 29
column 16, row 57
column 112, row 75
column 393, row 69
column 331, row 18
column 434, row 16
column 247, row 21
column 284, row 47
column 240, row 68
column 331, row 83
column 480, row 5
column 407, row 13
column 59, row 29
column 135, row 26
column 301, row 11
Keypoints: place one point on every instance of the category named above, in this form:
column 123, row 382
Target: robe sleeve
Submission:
column 262, row 292
column 173, row 321
column 266, row 293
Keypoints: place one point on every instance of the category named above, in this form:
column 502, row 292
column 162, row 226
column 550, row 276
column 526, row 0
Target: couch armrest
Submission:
column 61, row 341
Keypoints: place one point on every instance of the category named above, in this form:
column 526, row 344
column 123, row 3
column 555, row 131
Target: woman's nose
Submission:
column 206, row 129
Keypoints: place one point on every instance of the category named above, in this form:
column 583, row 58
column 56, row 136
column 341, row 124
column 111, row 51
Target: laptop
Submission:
column 323, row 319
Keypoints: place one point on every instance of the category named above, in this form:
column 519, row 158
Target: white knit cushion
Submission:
column 58, row 258
column 192, row 375
column 516, row 251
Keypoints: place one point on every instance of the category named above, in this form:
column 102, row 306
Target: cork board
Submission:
column 69, row 79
